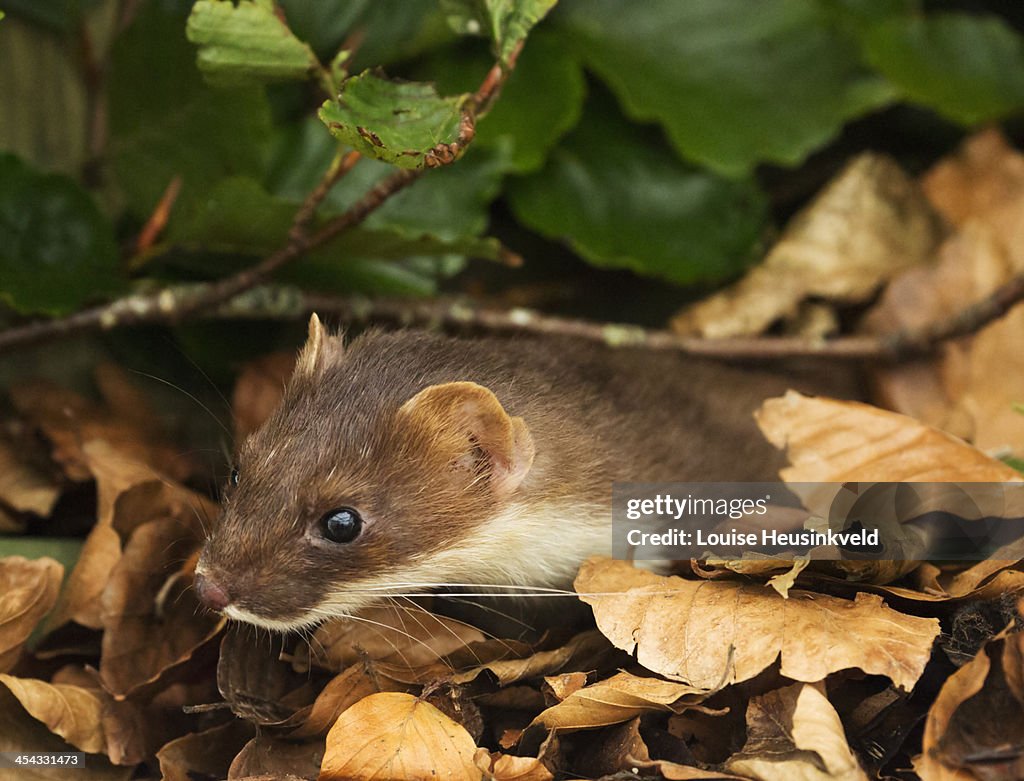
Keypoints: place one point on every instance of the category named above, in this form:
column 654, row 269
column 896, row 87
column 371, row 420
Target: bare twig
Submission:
column 340, row 166
column 287, row 303
column 158, row 219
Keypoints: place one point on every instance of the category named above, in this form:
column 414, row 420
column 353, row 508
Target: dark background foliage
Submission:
column 641, row 154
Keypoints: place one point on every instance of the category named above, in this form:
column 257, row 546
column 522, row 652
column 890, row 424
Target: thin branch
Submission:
column 340, row 165
column 172, row 304
column 289, row 303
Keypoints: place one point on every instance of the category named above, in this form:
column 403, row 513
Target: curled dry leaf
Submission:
column 564, row 685
column 73, row 712
column 256, row 681
column 90, row 719
column 206, row 754
column 619, row 747
column 587, row 651
column 125, row 421
column 128, row 493
column 412, row 636
column 268, row 756
column 506, row 767
column 617, row 699
column 970, row 387
column 152, row 619
column 24, row 487
column 983, row 181
column 868, row 224
column 784, row 581
column 341, row 693
column 19, row 732
column 794, row 734
column 710, row 633
column 832, row 441
column 975, row 727
column 396, row 736
column 28, row 589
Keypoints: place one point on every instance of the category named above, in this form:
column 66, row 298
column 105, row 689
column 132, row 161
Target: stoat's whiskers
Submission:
column 486, row 608
column 384, row 637
column 412, row 611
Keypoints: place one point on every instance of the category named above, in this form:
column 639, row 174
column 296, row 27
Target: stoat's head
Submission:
column 361, row 480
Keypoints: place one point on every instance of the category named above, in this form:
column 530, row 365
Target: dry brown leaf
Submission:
column 794, row 734
column 506, row 767
column 72, row 712
column 128, row 493
column 831, row 441
column 710, row 633
column 265, row 755
column 74, row 706
column 984, row 179
column 206, row 754
column 28, row 589
column 415, row 639
column 784, row 581
column 673, row 771
column 975, row 727
column 23, row 487
column 969, row 388
column 615, row 700
column 125, row 421
column 869, row 223
column 587, row 650
column 19, row 732
column 341, row 693
column 561, row 686
column 258, row 391
column 257, row 681
column 617, row 749
column 395, row 736
column 152, row 619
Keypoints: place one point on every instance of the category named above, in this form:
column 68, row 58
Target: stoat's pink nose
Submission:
column 210, row 593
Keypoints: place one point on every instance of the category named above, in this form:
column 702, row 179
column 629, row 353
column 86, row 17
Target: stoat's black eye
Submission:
column 234, row 475
column 341, row 525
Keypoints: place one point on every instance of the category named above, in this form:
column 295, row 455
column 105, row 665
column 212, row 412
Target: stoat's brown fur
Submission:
column 471, row 461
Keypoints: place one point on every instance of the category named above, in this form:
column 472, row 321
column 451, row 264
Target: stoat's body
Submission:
column 405, row 459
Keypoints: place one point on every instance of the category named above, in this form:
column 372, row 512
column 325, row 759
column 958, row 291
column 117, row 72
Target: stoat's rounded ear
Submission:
column 320, row 348
column 468, row 422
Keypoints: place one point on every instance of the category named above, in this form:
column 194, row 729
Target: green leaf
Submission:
column 528, row 119
column 506, row 22
column 969, row 68
column 388, row 30
column 239, row 216
column 56, row 14
column 734, row 82
column 240, row 220
column 622, row 200
column 403, row 123
column 246, row 43
column 57, row 251
column 1014, row 463
column 66, row 550
column 45, row 114
column 166, row 122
